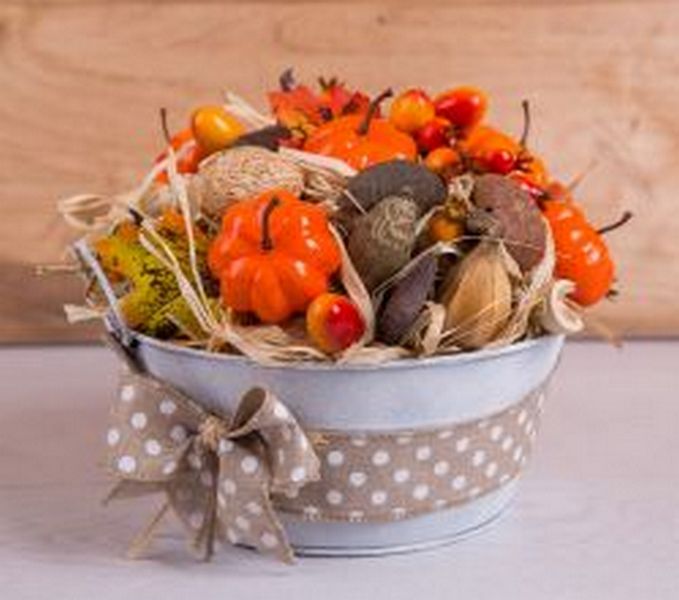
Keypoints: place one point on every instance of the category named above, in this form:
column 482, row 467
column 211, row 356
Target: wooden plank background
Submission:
column 82, row 82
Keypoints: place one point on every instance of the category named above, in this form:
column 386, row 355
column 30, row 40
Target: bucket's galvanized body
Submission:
column 405, row 394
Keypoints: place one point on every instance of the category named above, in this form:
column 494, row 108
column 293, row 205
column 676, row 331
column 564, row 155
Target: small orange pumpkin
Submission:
column 273, row 256
column 362, row 141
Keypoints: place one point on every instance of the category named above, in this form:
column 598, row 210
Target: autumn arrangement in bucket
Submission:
column 344, row 231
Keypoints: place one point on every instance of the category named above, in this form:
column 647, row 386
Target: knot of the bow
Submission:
column 211, row 431
column 218, row 475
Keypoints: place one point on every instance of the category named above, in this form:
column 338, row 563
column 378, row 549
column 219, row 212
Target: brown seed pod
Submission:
column 239, row 173
column 382, row 240
column 407, row 300
column 511, row 215
column 478, row 297
column 396, row 178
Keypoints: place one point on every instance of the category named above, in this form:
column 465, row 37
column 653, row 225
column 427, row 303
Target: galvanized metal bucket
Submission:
column 404, row 394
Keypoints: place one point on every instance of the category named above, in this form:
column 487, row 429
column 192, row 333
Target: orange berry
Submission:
column 214, row 128
column 411, row 111
column 333, row 322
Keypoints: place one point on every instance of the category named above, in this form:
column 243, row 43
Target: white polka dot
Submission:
column 496, row 432
column 356, row 516
column 335, row 458
column 254, row 508
column 269, row 540
column 462, row 444
column 229, row 486
column 507, row 443
column 127, row 464
column 444, row 435
column 381, row 458
column 399, row 512
column 475, row 491
column 280, row 411
column 169, row 467
column 311, row 511
column 242, row 523
column 401, row 475
column 404, row 440
column 359, row 442
column 167, row 407
column 523, row 415
column 304, row 442
column 459, row 483
column 478, row 458
column 249, row 465
column 113, row 436
column 421, row 491
column 378, row 497
column 195, row 461
column 518, row 452
column 423, row 453
column 152, row 447
column 196, row 520
column 206, row 479
column 441, row 468
column 298, row 474
column 357, row 478
column 178, row 433
column 232, row 536
column 225, row 446
column 127, row 393
column 491, row 470
column 334, row 497
column 138, row 420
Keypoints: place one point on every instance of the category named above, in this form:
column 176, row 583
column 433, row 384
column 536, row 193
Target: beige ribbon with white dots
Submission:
column 227, row 478
column 218, row 475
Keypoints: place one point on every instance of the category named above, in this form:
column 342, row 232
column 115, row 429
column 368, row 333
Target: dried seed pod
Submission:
column 239, row 173
column 478, row 298
column 407, row 300
column 396, row 178
column 267, row 137
column 382, row 240
column 512, row 215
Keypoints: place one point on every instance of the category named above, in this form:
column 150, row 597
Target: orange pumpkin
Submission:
column 362, row 141
column 273, row 256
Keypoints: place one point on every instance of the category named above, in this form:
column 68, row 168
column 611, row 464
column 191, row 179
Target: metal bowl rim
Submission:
column 401, row 363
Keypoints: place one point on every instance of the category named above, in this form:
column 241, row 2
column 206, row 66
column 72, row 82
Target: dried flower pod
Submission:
column 407, row 300
column 267, row 137
column 478, row 298
column 511, row 215
column 239, row 173
column 382, row 240
column 396, row 178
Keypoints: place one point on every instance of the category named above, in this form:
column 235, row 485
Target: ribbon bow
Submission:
column 218, row 474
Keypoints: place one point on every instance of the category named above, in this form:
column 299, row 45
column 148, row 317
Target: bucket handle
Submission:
column 114, row 318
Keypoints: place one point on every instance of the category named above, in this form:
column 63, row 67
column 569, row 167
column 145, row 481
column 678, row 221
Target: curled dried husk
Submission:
column 478, row 298
column 555, row 313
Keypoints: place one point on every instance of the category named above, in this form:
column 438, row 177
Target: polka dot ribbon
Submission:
column 218, row 474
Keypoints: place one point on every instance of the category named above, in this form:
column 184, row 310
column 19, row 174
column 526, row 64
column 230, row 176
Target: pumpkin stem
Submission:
column 163, row 125
column 267, row 244
column 372, row 109
column 626, row 216
column 525, row 105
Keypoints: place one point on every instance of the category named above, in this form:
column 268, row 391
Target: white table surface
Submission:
column 597, row 515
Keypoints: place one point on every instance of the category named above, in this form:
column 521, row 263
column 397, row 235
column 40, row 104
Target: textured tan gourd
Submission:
column 239, row 173
column 478, row 298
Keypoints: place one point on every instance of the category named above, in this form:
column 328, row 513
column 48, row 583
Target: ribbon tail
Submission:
column 143, row 539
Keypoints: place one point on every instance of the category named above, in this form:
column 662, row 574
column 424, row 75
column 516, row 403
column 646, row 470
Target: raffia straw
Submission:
column 243, row 110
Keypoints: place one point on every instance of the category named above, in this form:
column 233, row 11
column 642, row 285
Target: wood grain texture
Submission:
column 82, row 83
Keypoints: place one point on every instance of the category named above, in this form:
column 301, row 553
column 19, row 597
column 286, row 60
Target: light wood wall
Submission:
column 81, row 83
